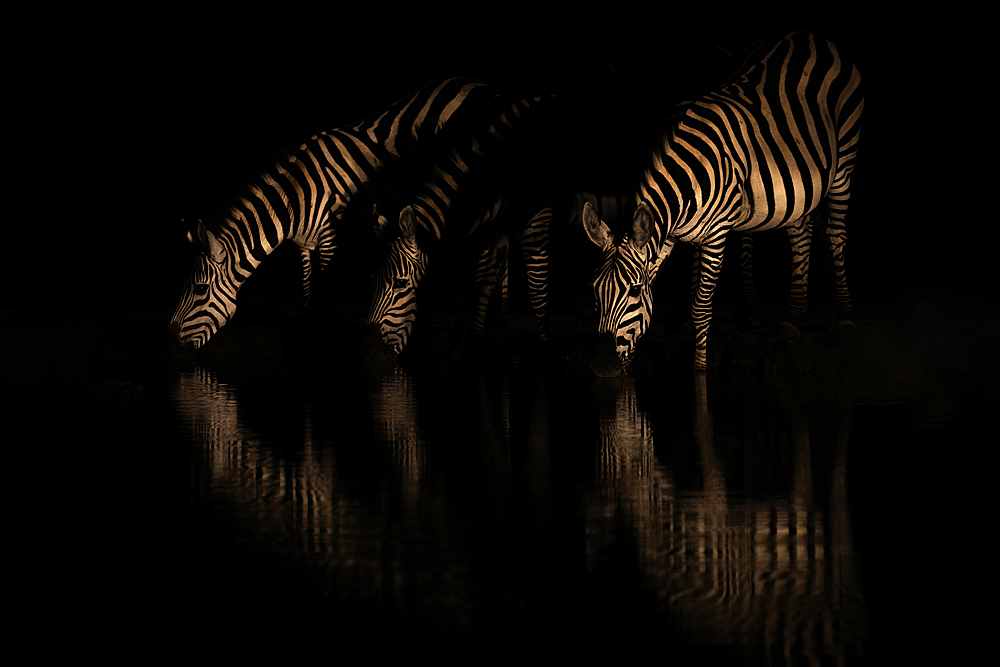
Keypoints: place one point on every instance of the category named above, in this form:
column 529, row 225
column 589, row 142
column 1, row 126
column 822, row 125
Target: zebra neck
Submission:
column 431, row 215
column 249, row 235
column 686, row 189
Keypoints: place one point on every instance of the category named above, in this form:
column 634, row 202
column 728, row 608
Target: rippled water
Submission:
column 708, row 517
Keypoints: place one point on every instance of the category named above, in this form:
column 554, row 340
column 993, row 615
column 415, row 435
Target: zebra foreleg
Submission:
column 491, row 267
column 325, row 246
column 800, row 238
column 748, row 296
column 534, row 243
column 711, row 253
column 306, row 274
column 836, row 234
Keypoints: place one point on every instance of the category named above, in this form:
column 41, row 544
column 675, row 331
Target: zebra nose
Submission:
column 374, row 351
column 174, row 333
column 604, row 362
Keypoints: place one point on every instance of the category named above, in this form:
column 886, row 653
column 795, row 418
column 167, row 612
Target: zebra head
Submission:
column 394, row 292
column 622, row 287
column 209, row 297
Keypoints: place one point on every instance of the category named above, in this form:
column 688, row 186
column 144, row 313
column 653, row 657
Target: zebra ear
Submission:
column 381, row 223
column 642, row 226
column 190, row 237
column 408, row 225
column 596, row 229
column 338, row 204
column 211, row 244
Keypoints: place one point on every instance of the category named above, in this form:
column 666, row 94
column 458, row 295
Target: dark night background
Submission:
column 161, row 118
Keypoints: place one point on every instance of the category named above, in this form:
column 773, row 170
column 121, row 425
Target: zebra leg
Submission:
column 534, row 242
column 695, row 272
column 504, row 270
column 327, row 245
column 492, row 260
column 306, row 274
column 746, row 264
column 326, row 248
column 687, row 326
column 800, row 237
column 701, row 309
column 836, row 234
column 744, row 307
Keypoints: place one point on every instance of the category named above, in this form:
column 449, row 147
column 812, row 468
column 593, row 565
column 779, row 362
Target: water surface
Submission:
column 709, row 517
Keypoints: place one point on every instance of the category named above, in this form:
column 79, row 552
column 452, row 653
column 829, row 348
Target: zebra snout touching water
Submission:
column 624, row 297
column 209, row 298
column 769, row 150
column 395, row 280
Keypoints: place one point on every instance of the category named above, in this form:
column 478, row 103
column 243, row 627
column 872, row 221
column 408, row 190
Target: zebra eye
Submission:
column 635, row 291
column 400, row 283
column 201, row 289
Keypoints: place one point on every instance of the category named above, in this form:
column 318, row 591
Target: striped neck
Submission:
column 686, row 185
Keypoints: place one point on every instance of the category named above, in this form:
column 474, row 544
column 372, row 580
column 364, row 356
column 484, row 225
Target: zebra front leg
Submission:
column 747, row 298
column 504, row 271
column 710, row 268
column 836, row 234
column 800, row 238
column 306, row 275
column 534, row 242
column 492, row 263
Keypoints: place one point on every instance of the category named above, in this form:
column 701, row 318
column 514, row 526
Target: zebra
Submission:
column 764, row 151
column 467, row 194
column 305, row 194
column 614, row 209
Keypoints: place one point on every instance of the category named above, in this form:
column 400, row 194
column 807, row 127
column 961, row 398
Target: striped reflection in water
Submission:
column 322, row 496
column 766, row 576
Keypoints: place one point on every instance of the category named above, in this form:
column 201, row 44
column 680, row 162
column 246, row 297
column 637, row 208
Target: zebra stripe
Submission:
column 305, row 193
column 493, row 266
column 467, row 193
column 770, row 149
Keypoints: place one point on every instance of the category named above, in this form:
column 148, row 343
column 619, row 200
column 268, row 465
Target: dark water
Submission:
column 807, row 502
column 711, row 517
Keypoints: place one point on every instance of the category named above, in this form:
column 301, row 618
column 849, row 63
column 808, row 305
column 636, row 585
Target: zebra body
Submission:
column 769, row 150
column 304, row 196
column 469, row 193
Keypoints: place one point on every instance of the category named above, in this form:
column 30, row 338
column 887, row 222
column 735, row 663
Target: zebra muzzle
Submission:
column 173, row 333
column 605, row 362
column 375, row 352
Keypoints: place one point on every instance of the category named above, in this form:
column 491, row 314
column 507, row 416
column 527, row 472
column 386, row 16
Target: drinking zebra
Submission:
column 775, row 145
column 306, row 193
column 472, row 192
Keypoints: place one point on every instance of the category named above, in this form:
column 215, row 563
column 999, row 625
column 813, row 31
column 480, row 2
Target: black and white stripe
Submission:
column 768, row 150
column 305, row 193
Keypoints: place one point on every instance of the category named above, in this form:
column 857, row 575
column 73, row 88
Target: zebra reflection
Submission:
column 286, row 497
column 393, row 409
column 632, row 491
column 751, row 571
column 312, row 498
